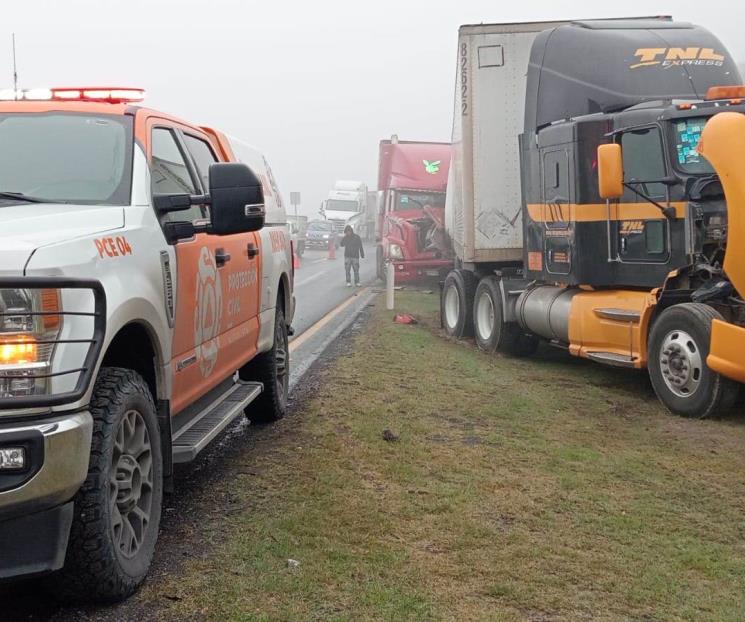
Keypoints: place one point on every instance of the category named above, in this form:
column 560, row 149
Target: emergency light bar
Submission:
column 725, row 92
column 105, row 94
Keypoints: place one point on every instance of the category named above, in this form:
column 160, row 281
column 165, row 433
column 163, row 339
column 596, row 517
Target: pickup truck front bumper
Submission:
column 35, row 504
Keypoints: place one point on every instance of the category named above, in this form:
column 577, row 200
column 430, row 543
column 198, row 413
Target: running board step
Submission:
column 194, row 437
column 611, row 358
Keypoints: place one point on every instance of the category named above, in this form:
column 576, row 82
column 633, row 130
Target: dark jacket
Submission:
column 352, row 247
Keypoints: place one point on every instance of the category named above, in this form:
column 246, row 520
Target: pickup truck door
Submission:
column 217, row 277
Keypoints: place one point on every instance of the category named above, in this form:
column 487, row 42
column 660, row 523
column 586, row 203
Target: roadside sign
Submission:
column 295, row 198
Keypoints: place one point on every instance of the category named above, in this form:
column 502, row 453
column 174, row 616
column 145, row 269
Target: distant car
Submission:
column 318, row 234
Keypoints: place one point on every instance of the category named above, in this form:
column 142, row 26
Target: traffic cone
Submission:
column 295, row 261
column 332, row 248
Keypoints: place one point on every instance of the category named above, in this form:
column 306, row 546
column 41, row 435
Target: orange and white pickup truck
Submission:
column 146, row 297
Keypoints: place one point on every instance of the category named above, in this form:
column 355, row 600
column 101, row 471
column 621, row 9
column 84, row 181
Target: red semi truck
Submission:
column 412, row 179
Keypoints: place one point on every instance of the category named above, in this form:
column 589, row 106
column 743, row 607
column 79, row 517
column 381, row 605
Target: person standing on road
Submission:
column 353, row 251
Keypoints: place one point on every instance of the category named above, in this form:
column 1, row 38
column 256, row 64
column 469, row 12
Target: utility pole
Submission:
column 15, row 69
column 295, row 201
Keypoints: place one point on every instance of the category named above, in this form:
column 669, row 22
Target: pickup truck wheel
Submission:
column 492, row 333
column 118, row 508
column 271, row 368
column 456, row 303
column 678, row 349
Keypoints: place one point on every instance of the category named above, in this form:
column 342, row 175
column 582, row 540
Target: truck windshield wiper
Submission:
column 20, row 197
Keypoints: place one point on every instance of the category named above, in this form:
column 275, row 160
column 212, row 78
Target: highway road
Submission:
column 320, row 285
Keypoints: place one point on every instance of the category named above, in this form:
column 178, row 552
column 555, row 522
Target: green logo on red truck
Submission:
column 432, row 167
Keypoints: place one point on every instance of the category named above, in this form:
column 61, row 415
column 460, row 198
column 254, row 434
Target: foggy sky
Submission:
column 314, row 85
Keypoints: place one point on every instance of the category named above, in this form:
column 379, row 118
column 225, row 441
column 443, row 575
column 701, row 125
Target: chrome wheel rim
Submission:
column 452, row 306
column 681, row 363
column 131, row 484
column 485, row 316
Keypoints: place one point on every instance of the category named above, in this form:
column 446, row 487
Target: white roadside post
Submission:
column 390, row 276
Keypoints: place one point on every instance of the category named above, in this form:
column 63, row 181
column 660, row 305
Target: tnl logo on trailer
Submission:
column 674, row 57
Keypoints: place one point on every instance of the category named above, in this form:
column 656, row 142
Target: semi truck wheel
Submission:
column 380, row 263
column 118, row 508
column 272, row 368
column 456, row 303
column 678, row 348
column 490, row 330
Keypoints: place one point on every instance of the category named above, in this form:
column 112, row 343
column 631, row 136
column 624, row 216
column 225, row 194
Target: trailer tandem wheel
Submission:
column 678, row 348
column 492, row 333
column 456, row 303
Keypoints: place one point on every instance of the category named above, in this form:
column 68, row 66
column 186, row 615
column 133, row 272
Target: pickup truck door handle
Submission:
column 252, row 249
column 221, row 257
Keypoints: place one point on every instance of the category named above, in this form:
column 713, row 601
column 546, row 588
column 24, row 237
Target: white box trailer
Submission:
column 484, row 201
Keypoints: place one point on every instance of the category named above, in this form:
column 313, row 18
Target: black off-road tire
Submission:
column 714, row 393
column 95, row 568
column 272, row 369
column 507, row 338
column 456, row 313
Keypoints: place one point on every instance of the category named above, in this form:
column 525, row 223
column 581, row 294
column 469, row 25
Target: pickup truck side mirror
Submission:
column 236, row 198
column 610, row 171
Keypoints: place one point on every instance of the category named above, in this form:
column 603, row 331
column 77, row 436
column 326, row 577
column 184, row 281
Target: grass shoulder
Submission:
column 538, row 489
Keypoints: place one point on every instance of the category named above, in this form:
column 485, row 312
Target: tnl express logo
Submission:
column 632, row 227
column 432, row 167
column 677, row 57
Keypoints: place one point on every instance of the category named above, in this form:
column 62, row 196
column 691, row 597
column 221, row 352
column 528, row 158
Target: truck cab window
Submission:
column 170, row 173
column 417, row 200
column 643, row 159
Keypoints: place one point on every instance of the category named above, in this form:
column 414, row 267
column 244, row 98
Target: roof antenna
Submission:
column 15, row 70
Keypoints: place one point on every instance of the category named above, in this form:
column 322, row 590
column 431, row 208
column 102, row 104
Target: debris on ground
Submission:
column 390, row 436
column 405, row 318
column 293, row 563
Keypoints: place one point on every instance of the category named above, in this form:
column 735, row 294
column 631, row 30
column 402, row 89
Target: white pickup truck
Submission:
column 146, row 297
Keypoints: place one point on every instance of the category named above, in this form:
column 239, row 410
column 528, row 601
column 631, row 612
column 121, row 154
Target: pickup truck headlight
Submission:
column 394, row 250
column 29, row 325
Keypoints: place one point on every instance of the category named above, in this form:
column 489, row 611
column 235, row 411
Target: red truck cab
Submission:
column 412, row 177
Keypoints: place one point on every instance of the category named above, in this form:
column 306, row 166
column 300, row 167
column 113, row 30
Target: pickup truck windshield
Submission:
column 337, row 205
column 66, row 158
column 687, row 133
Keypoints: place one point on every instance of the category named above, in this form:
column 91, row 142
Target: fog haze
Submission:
column 314, row 85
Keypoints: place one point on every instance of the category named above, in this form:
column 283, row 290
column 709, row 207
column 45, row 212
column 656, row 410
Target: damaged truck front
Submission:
column 412, row 177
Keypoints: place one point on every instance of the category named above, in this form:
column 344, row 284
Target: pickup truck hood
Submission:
column 29, row 226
